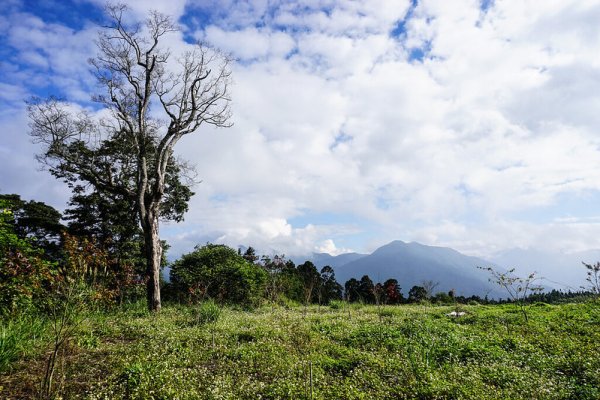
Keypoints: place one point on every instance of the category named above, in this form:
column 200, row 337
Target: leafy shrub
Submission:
column 336, row 304
column 25, row 276
column 218, row 272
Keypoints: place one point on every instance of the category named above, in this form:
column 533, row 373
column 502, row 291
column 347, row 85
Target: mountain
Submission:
column 559, row 270
column 413, row 263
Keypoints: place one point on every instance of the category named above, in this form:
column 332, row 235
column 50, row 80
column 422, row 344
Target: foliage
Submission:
column 130, row 153
column 417, row 294
column 25, row 275
column 330, row 289
column 86, row 260
column 283, row 278
column 366, row 290
column 392, row 292
column 218, row 272
column 35, row 221
column 413, row 352
column 250, row 255
column 208, row 312
column 112, row 221
column 311, row 279
column 20, row 335
column 351, row 290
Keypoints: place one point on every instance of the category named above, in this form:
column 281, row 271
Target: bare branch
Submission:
column 130, row 152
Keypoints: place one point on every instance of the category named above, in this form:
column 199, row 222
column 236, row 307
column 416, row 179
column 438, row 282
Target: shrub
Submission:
column 218, row 272
column 25, row 276
column 336, row 304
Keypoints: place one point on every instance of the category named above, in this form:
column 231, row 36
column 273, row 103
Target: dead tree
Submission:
column 135, row 74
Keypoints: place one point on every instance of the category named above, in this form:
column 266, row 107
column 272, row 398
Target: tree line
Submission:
column 125, row 177
column 98, row 242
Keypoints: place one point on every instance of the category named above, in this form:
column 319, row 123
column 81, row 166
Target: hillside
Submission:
column 561, row 271
column 413, row 263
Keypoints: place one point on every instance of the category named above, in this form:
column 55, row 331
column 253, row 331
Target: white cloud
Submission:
column 250, row 43
column 333, row 116
column 329, row 246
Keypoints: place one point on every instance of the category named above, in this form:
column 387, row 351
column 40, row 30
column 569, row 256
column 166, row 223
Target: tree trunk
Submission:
column 153, row 258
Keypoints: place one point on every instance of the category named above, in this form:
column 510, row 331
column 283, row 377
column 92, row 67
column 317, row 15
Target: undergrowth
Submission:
column 365, row 352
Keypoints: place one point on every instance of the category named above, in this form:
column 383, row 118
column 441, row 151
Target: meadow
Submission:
column 341, row 351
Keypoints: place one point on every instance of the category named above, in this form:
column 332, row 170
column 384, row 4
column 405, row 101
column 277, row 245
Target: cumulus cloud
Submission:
column 438, row 121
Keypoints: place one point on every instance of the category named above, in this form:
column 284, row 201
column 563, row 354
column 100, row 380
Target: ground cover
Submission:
column 339, row 352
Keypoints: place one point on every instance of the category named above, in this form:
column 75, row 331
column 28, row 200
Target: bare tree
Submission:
column 517, row 288
column 136, row 73
column 593, row 277
column 429, row 287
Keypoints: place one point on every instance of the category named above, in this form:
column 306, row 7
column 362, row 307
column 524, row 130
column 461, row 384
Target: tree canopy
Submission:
column 218, row 272
column 129, row 154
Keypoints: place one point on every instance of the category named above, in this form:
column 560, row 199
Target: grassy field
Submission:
column 339, row 352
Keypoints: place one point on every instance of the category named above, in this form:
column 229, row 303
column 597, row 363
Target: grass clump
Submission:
column 20, row 336
column 207, row 312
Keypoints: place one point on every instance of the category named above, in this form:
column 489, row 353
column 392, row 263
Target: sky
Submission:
column 468, row 124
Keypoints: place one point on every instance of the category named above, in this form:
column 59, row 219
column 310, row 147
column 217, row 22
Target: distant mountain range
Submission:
column 413, row 263
column 562, row 271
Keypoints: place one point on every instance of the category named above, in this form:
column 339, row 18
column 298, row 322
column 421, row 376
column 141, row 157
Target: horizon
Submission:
column 469, row 125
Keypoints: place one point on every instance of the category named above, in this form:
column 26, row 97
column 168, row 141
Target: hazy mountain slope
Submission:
column 413, row 263
column 562, row 271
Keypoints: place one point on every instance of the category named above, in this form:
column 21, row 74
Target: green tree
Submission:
column 292, row 282
column 35, row 221
column 131, row 66
column 250, row 255
column 417, row 294
column 311, row 280
column 25, row 275
column 112, row 221
column 275, row 267
column 352, row 290
column 217, row 271
column 330, row 288
column 392, row 292
column 366, row 290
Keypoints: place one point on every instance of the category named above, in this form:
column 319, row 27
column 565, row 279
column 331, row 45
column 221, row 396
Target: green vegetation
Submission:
column 237, row 326
column 240, row 326
column 218, row 272
column 359, row 352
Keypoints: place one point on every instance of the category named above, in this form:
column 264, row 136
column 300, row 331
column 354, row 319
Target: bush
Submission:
column 336, row 304
column 218, row 272
column 25, row 276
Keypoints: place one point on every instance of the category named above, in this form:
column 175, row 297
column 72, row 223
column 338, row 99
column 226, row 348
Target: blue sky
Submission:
column 469, row 124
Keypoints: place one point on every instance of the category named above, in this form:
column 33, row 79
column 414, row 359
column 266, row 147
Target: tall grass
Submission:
column 20, row 336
